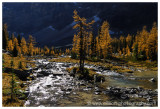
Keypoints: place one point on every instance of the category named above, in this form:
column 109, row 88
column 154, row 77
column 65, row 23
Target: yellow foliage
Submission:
column 105, row 39
column 23, row 45
column 10, row 45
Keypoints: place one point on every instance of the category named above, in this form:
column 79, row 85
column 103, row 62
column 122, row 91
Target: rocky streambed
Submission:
column 53, row 86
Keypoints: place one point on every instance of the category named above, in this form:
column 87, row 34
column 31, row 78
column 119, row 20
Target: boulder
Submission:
column 152, row 80
column 40, row 75
column 44, row 73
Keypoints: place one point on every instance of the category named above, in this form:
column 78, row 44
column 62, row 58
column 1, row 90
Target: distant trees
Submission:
column 24, row 47
column 142, row 46
column 19, row 46
column 105, row 40
column 76, row 44
column 15, row 51
column 67, row 52
column 152, row 43
column 10, row 45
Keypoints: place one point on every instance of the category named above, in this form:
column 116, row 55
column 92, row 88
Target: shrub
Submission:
column 88, row 74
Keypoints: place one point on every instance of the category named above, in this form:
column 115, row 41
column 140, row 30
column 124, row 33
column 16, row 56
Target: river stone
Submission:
column 96, row 93
column 39, row 75
column 124, row 96
column 48, row 85
column 85, row 89
column 26, row 93
column 140, row 88
column 45, row 73
column 149, row 99
column 67, row 93
column 69, row 89
column 133, row 91
column 152, row 80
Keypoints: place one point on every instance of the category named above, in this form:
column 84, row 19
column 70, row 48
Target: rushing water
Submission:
column 58, row 88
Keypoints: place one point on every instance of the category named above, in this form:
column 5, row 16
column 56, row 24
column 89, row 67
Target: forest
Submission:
column 142, row 46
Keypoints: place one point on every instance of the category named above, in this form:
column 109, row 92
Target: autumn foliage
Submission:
column 142, row 46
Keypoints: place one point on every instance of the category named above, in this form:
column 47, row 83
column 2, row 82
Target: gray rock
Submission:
column 124, row 96
column 152, row 80
column 40, row 75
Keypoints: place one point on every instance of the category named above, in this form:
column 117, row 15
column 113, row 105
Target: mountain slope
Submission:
column 37, row 18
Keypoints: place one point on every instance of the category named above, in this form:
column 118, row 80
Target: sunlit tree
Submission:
column 152, row 43
column 24, row 48
column 105, row 40
column 81, row 26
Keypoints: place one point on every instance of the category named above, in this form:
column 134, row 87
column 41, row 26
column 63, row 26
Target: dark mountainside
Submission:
column 51, row 23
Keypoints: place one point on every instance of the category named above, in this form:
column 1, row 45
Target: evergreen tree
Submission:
column 82, row 27
column 30, row 49
column 10, row 46
column 23, row 45
column 152, row 43
column 105, row 40
column 12, row 37
column 76, row 44
column 20, row 66
column 15, row 52
column 31, row 44
column 46, row 50
column 19, row 39
column 90, row 44
column 5, row 36
column 135, row 51
column 13, row 83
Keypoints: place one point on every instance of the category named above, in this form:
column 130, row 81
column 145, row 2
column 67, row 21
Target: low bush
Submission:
column 88, row 74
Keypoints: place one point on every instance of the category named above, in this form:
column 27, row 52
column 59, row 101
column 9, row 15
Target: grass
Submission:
column 151, row 65
column 99, row 63
column 6, row 80
column 16, row 60
column 6, row 91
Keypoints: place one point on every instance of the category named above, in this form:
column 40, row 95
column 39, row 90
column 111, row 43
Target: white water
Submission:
column 47, row 90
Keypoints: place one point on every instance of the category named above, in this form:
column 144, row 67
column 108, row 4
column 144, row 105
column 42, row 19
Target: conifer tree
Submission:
column 10, row 45
column 46, row 50
column 52, row 51
column 15, row 51
column 152, row 43
column 127, row 51
column 23, row 45
column 30, row 49
column 5, row 36
column 31, row 43
column 98, row 49
column 142, row 41
column 135, row 51
column 12, row 37
column 81, row 26
column 76, row 44
column 129, row 41
column 105, row 40
column 15, row 42
column 13, row 83
column 90, row 44
column 19, row 39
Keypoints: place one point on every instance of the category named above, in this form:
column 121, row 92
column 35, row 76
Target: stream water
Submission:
column 53, row 86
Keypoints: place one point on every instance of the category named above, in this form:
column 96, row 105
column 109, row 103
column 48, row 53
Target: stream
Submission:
column 53, row 86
